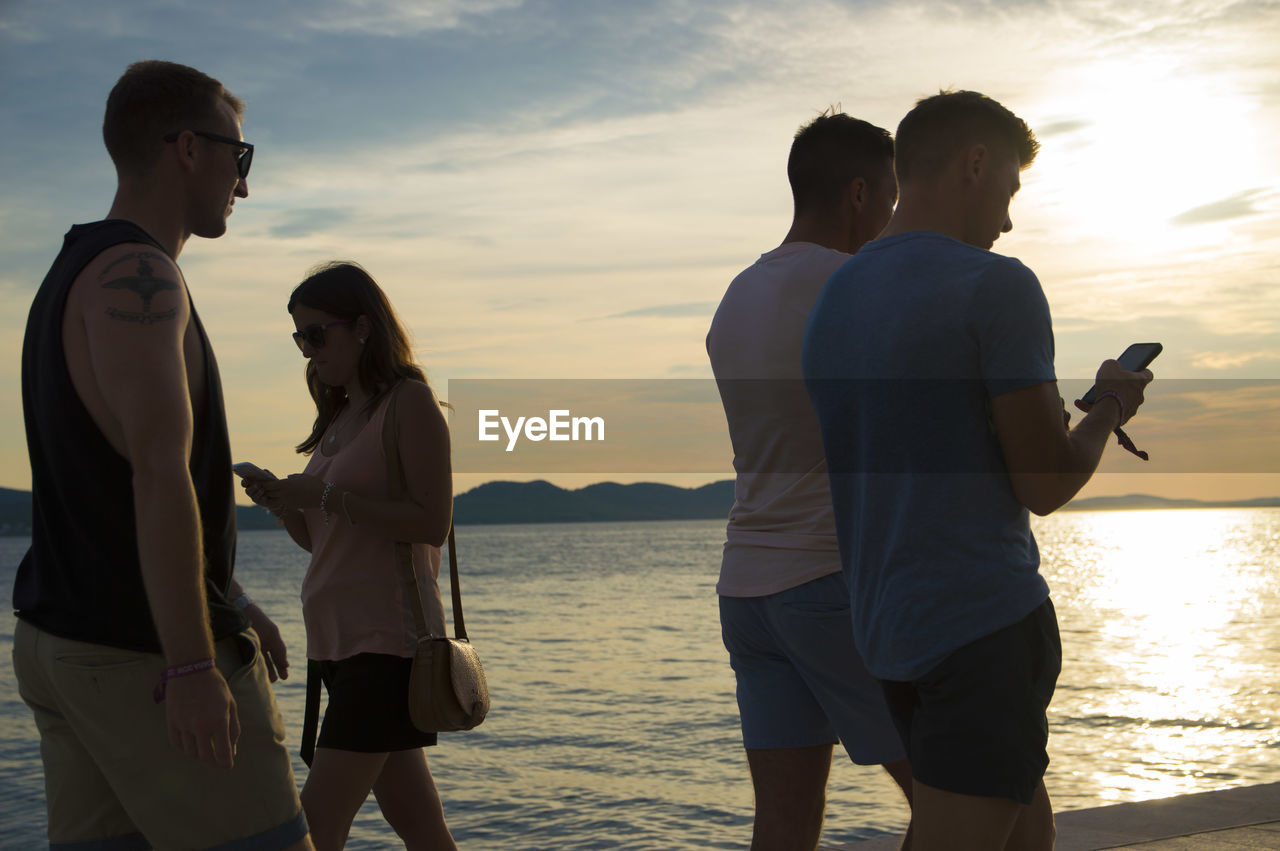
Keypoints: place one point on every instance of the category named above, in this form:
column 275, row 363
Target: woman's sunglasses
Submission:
column 313, row 335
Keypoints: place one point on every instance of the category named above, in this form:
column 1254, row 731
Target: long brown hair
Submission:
column 343, row 289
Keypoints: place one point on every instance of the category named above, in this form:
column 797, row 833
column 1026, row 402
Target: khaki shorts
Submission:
column 110, row 771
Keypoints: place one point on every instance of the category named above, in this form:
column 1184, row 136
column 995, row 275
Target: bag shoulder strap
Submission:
column 311, row 713
column 397, row 487
column 459, row 627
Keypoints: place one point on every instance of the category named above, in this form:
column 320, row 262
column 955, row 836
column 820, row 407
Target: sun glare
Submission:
column 1134, row 148
column 1168, row 595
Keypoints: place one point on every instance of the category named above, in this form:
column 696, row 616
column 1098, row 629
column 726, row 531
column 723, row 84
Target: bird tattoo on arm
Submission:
column 146, row 284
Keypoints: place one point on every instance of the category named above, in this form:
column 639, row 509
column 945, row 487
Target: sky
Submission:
column 563, row 190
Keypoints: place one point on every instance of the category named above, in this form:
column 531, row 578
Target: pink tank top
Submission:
column 353, row 598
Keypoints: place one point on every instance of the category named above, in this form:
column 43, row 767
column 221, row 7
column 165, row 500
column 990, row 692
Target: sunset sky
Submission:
column 562, row 190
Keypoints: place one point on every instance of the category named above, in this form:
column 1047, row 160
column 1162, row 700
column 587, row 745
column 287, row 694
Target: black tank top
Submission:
column 81, row 578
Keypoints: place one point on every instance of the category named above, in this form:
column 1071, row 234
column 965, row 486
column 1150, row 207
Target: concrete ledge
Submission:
column 1188, row 821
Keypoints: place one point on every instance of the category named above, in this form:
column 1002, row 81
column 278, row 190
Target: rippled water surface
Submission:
column 614, row 723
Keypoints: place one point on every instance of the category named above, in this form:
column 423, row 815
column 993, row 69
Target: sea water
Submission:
column 614, row 723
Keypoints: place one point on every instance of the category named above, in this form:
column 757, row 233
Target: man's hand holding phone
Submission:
column 1123, row 379
column 1128, row 388
column 1124, row 382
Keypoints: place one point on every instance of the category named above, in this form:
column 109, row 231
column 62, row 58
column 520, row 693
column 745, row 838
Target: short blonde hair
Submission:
column 152, row 99
column 944, row 123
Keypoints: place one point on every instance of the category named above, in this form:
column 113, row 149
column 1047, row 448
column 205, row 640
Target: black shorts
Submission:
column 975, row 723
column 368, row 708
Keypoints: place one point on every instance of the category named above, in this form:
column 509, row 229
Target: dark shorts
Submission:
column 368, row 706
column 975, row 723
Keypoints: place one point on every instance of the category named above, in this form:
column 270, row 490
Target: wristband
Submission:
column 1125, row 441
column 179, row 671
column 242, row 602
column 1111, row 394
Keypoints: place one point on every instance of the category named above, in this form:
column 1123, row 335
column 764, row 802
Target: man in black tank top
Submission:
column 144, row 663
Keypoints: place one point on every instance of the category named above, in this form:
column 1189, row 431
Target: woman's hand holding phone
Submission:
column 250, row 472
column 252, row 478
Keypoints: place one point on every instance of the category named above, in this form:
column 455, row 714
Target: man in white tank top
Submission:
column 784, row 604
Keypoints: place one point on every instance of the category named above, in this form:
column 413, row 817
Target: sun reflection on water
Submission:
column 1168, row 671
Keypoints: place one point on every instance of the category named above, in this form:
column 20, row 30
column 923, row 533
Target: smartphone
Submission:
column 1137, row 357
column 245, row 470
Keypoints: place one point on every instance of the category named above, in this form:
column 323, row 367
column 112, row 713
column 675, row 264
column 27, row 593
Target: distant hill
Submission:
column 502, row 502
column 254, row 517
column 543, row 502
column 1142, row 500
column 15, row 514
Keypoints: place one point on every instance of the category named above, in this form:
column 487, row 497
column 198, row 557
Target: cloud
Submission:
column 524, row 303
column 696, row 308
column 1237, row 206
column 305, row 222
column 325, row 75
column 1231, row 360
column 400, row 18
column 1061, row 128
column 515, row 172
column 690, row 370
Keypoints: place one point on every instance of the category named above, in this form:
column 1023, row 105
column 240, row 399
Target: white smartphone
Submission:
column 245, row 470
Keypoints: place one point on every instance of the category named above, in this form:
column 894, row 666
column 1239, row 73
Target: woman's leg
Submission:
column 336, row 786
column 410, row 802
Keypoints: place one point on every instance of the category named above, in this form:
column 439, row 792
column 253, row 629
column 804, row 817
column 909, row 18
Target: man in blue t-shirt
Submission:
column 929, row 360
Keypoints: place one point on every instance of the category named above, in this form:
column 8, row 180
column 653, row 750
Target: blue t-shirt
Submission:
column 903, row 350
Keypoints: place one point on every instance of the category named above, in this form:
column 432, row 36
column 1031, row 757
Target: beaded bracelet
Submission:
column 324, row 501
column 179, row 671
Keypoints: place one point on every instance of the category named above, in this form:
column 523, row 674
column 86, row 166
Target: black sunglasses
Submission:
column 244, row 159
column 313, row 335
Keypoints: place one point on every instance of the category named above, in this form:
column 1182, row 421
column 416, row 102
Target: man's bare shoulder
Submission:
column 132, row 283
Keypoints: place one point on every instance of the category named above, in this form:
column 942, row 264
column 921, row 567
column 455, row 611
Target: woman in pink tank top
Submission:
column 360, row 626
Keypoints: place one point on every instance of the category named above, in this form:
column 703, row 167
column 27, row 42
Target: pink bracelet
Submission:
column 179, row 671
column 1111, row 394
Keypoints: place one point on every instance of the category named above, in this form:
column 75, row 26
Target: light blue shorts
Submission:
column 801, row 681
